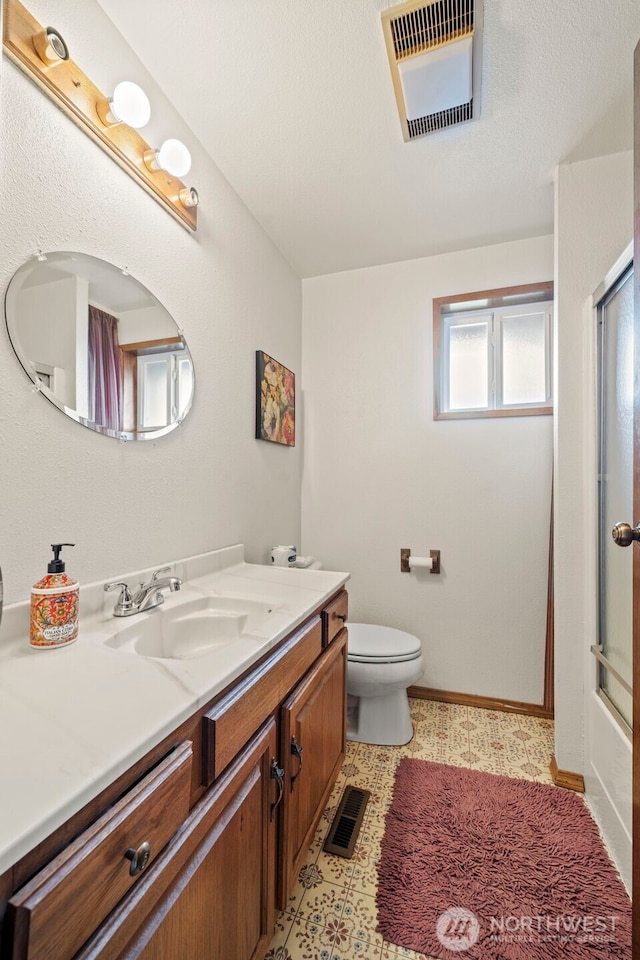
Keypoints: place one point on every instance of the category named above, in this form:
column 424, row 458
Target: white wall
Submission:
column 594, row 224
column 381, row 474
column 145, row 323
column 82, row 347
column 48, row 330
column 209, row 483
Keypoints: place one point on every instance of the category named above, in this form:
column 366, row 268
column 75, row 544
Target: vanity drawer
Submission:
column 58, row 909
column 334, row 618
column 236, row 717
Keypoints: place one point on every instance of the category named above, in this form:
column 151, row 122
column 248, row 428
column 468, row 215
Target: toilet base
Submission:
column 385, row 721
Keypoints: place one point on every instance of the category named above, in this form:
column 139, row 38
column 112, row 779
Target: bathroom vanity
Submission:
column 189, row 851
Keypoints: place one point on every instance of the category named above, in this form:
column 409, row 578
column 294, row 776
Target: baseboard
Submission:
column 485, row 703
column 564, row 778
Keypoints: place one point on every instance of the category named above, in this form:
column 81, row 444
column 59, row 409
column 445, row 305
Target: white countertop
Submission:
column 75, row 718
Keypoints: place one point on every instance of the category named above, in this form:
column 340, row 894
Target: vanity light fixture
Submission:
column 189, row 197
column 50, row 46
column 43, row 55
column 129, row 104
column 172, row 156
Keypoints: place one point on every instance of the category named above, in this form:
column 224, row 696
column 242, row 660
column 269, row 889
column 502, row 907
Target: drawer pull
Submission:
column 277, row 773
column 139, row 858
column 296, row 751
column 341, row 616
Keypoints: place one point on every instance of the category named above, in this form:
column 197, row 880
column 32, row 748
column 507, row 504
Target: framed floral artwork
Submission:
column 275, row 401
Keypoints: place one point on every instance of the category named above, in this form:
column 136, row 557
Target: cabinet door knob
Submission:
column 139, row 858
column 277, row 773
column 296, row 751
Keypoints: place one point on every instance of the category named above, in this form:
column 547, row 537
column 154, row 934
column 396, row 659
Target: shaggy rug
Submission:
column 488, row 867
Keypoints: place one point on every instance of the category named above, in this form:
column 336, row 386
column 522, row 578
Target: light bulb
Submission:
column 174, row 157
column 129, row 104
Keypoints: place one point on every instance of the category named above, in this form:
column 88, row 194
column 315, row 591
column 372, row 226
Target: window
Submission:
column 165, row 384
column 492, row 353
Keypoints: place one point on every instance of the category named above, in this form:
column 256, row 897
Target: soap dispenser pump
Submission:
column 54, row 605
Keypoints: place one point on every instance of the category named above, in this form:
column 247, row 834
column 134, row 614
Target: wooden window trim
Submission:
column 494, row 298
column 165, row 345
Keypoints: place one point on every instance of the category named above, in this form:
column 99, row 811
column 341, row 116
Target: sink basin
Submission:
column 189, row 629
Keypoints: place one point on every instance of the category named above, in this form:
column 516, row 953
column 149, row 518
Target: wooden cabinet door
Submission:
column 60, row 907
column 211, row 896
column 313, row 727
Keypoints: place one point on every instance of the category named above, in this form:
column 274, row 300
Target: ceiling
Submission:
column 294, row 102
column 109, row 286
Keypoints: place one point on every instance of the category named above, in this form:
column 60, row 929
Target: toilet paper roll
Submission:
column 426, row 562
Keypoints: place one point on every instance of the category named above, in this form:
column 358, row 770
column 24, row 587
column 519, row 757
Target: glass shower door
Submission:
column 615, row 495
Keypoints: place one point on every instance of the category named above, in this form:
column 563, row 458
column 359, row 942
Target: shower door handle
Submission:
column 624, row 534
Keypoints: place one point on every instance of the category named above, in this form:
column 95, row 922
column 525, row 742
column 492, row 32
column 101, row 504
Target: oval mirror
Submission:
column 99, row 345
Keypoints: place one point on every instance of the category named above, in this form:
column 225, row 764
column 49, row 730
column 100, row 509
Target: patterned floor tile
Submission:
column 319, row 838
column 334, row 869
column 354, row 948
column 312, row 941
column 361, row 916
column 537, row 751
column 386, row 780
column 323, row 903
column 371, row 834
column 403, row 954
column 284, row 922
column 365, row 779
column 365, row 877
column 490, row 744
column 306, row 881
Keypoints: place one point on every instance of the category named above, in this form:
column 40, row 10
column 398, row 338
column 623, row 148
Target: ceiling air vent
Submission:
column 431, row 50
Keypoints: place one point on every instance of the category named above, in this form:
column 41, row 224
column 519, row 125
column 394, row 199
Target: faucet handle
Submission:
column 156, row 573
column 125, row 600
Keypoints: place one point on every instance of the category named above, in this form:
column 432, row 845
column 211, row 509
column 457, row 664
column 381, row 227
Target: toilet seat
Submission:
column 372, row 643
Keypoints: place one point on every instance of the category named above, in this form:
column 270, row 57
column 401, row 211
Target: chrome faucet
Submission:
column 147, row 596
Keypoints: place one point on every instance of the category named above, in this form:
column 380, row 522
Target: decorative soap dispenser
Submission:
column 54, row 606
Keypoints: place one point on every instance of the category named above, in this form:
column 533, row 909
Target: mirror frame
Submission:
column 40, row 387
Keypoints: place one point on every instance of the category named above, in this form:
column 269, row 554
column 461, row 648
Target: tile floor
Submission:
column 331, row 914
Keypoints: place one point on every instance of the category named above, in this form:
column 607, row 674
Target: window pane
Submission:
column 524, row 359
column 468, row 364
column 154, row 382
column 185, row 384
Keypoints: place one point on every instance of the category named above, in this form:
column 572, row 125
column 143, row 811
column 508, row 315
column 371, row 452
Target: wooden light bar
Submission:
column 75, row 94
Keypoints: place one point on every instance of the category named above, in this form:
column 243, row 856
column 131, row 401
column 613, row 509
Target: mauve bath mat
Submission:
column 481, row 866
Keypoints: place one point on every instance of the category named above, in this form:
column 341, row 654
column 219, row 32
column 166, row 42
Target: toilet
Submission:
column 382, row 662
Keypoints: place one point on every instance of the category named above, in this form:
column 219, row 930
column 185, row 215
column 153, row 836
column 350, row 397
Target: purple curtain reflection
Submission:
column 105, row 372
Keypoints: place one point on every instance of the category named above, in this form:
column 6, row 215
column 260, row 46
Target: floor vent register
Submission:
column 344, row 830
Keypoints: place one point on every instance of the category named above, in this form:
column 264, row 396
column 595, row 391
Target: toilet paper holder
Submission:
column 405, row 561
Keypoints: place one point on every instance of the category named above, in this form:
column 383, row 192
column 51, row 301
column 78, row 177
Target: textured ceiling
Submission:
column 294, row 102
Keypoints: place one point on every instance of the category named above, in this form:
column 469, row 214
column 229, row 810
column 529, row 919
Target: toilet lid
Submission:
column 372, row 643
